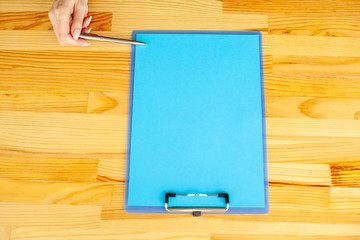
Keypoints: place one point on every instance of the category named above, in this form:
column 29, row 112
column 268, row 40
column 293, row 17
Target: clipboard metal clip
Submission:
column 196, row 212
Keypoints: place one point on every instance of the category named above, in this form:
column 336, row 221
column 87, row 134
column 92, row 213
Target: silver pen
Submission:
column 109, row 39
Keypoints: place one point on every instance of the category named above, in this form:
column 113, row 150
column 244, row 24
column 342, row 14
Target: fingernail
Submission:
column 89, row 20
column 86, row 44
column 76, row 34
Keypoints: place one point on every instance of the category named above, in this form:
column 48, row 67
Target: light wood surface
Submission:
column 63, row 121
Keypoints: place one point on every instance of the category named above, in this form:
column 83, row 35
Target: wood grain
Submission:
column 280, row 237
column 113, row 169
column 345, row 175
column 312, row 150
column 70, row 134
column 275, row 215
column 52, row 169
column 313, row 25
column 314, row 7
column 118, row 198
column 316, row 66
column 63, row 71
column 28, row 20
column 30, row 214
column 321, row 128
column 312, row 107
column 297, row 173
column 194, row 21
column 63, row 121
column 186, row 227
column 312, row 86
column 179, row 6
column 305, row 198
column 41, row 101
column 5, row 233
column 191, row 225
column 93, row 234
column 345, row 199
column 108, row 103
column 48, row 192
column 314, row 46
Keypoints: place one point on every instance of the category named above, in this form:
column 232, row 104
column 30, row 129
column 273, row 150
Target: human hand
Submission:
column 69, row 19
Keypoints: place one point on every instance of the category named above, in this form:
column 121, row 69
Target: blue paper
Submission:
column 196, row 121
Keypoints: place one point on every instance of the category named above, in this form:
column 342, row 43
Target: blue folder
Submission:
column 196, row 121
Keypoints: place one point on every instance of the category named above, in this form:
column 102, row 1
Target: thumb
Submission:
column 78, row 18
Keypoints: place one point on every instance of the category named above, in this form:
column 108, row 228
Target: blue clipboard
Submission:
column 196, row 129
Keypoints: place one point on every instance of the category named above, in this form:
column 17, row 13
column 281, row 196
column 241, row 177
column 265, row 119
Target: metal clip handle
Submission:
column 196, row 211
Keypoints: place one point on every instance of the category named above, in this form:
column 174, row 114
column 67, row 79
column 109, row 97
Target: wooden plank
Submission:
column 345, row 175
column 314, row 46
column 51, row 80
column 118, row 195
column 316, row 65
column 289, row 7
column 41, row 101
column 312, row 150
column 297, row 173
column 345, row 199
column 318, row 128
column 67, row 71
column 20, row 5
column 186, row 6
column 31, row 20
column 71, row 135
column 184, row 228
column 313, row 141
column 283, row 197
column 312, row 86
column 312, row 107
column 310, row 25
column 112, row 169
column 53, row 233
column 108, row 103
column 279, row 237
column 282, row 215
column 5, row 233
column 187, row 224
column 49, row 192
column 56, row 169
column 163, row 7
column 63, row 60
column 26, row 214
column 160, row 21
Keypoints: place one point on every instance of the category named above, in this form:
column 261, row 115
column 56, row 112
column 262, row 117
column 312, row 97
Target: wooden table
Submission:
column 63, row 121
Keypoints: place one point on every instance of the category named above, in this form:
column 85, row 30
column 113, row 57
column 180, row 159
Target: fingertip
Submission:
column 86, row 30
column 76, row 34
column 82, row 42
column 87, row 21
